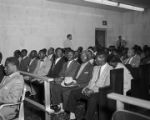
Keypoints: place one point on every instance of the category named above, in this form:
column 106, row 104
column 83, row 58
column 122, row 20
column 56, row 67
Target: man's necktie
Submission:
column 98, row 76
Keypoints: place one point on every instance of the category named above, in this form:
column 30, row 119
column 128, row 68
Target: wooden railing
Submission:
column 121, row 99
column 46, row 107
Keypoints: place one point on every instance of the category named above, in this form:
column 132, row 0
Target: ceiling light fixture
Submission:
column 116, row 4
column 131, row 7
column 104, row 2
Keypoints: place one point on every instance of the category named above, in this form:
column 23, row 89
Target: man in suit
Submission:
column 11, row 88
column 134, row 59
column 100, row 78
column 57, row 65
column 82, row 78
column 43, row 65
column 2, row 72
column 25, row 60
column 51, row 55
column 31, row 68
column 69, row 70
column 33, row 62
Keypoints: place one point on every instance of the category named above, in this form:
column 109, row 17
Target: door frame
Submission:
column 104, row 29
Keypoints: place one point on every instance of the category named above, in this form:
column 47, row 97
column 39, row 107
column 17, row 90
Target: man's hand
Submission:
column 84, row 90
column 58, row 80
column 87, row 91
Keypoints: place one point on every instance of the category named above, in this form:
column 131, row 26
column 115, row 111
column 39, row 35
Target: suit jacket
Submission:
column 52, row 58
column 2, row 72
column 11, row 90
column 104, row 78
column 85, row 75
column 32, row 66
column 134, row 61
column 71, row 70
column 24, row 64
column 56, row 68
column 42, row 70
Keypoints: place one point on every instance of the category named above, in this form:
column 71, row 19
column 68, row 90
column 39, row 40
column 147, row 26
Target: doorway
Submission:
column 100, row 38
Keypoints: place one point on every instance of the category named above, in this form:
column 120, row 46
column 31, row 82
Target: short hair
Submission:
column 17, row 52
column 51, row 48
column 102, row 53
column 44, row 50
column 58, row 49
column 69, row 35
column 85, row 52
column 70, row 50
column 13, row 60
column 114, row 59
column 24, row 50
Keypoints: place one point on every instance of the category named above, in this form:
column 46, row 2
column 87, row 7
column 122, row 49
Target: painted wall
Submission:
column 136, row 28
column 35, row 24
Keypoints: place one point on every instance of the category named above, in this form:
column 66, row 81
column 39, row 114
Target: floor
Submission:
column 33, row 113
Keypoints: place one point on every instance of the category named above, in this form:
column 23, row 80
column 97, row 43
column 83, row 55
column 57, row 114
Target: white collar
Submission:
column 13, row 74
column 70, row 61
column 24, row 57
column 103, row 66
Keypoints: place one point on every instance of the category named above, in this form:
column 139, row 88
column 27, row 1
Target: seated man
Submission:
column 82, row 78
column 42, row 69
column 69, row 70
column 133, row 58
column 100, row 78
column 43, row 65
column 50, row 54
column 25, row 60
column 57, row 64
column 33, row 61
column 115, row 62
column 31, row 68
column 11, row 88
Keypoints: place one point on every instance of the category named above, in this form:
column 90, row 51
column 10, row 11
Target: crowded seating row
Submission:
column 80, row 74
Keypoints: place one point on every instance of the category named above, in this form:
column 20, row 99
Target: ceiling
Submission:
column 140, row 3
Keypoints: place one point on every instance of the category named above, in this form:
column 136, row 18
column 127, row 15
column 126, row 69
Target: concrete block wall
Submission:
column 36, row 24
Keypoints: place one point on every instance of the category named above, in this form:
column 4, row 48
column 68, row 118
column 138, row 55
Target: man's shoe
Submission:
column 56, row 108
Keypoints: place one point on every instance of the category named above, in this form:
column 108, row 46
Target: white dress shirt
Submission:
column 69, row 62
column 56, row 61
column 81, row 69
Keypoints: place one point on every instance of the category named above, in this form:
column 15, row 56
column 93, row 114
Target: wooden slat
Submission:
column 130, row 100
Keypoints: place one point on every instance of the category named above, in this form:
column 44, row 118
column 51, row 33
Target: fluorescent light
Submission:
column 116, row 4
column 131, row 7
column 104, row 2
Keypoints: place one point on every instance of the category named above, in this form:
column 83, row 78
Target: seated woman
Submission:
column 83, row 75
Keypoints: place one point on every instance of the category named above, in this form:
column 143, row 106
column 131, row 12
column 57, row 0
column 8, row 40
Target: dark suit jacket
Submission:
column 24, row 64
column 56, row 69
column 71, row 71
column 2, row 72
column 33, row 66
column 85, row 76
